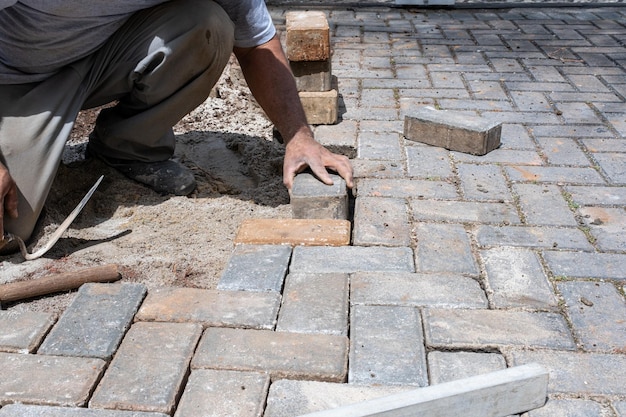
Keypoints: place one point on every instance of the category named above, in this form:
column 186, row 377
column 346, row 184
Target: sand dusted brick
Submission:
column 312, row 199
column 308, row 36
column 284, row 355
column 47, row 380
column 23, row 410
column 256, row 268
column 320, row 107
column 22, row 331
column 312, row 75
column 257, row 310
column 307, row 232
column 149, row 368
column 453, row 131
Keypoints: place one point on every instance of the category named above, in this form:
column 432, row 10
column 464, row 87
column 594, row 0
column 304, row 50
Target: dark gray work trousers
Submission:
column 159, row 66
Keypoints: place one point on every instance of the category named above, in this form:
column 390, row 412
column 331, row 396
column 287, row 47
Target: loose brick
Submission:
column 444, row 248
column 288, row 398
column 223, row 394
column 387, row 346
column 417, row 290
column 23, row 331
column 453, row 131
column 315, row 303
column 23, row 410
column 307, row 232
column 149, row 368
column 475, row 329
column 451, row 366
column 312, row 75
column 308, row 36
column 257, row 310
column 48, row 380
column 256, row 268
column 94, row 324
column 319, row 259
column 597, row 311
column 283, row 355
column 312, row 199
column 320, row 107
column 381, row 221
column 574, row 373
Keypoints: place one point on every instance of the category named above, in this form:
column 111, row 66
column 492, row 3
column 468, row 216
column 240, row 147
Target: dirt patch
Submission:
column 162, row 240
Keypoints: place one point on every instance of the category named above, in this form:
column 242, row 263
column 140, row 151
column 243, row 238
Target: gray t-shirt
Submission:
column 38, row 37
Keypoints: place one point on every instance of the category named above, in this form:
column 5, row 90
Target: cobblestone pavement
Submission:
column 460, row 264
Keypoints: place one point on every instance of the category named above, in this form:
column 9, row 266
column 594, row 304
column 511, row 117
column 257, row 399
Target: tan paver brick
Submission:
column 307, row 232
column 308, row 36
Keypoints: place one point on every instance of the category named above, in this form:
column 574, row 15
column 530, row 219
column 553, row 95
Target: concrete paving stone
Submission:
column 607, row 225
column 294, row 398
column 256, row 268
column 308, row 232
column 95, row 322
column 312, row 199
column 464, row 212
column 619, row 124
column 212, row 393
column 535, row 101
column 315, row 303
column 428, row 162
column 605, row 145
column 516, row 136
column 257, row 310
column 478, row 329
column 348, row 259
column 451, row 366
column 487, row 90
column 586, row 264
column 387, row 346
column 416, row 290
column 620, row 407
column 460, row 105
column 543, row 205
column 444, row 248
column 381, row 221
column 23, row 410
column 614, row 165
column 558, row 130
column 339, row 138
column 567, row 175
column 573, row 113
column 403, row 188
column 377, row 169
column 378, row 145
column 395, row 126
column 312, row 75
column 532, row 237
column 308, row 36
column 577, row 373
column 317, row 357
column 483, row 182
column 517, row 279
column 48, row 380
column 568, row 408
column 364, row 112
column 597, row 196
column 425, row 93
column 320, row 107
column 149, row 368
column 563, row 151
column 596, row 311
column 22, row 331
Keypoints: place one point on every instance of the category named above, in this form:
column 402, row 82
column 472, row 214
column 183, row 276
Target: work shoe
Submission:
column 164, row 177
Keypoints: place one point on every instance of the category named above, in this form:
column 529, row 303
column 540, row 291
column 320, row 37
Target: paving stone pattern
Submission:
column 459, row 264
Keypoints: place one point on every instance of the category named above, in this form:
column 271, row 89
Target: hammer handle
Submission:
column 49, row 284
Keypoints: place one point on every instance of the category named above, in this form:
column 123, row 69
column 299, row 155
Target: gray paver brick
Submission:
column 502, row 156
column 444, row 248
column 587, row 195
column 350, row 259
column 312, row 199
column 614, row 164
column 23, row 410
column 465, row 212
column 554, row 174
column 48, row 380
column 475, row 329
column 418, row 290
column 576, row 373
column 607, row 225
column 517, row 279
column 293, row 398
column 620, row 407
column 23, row 331
column 380, row 221
column 430, row 162
column 379, row 145
column 544, row 205
column 223, row 394
column 149, row 368
column 315, row 303
column 95, row 322
column 532, row 237
column 402, row 188
column 339, row 138
column 563, row 151
column 211, row 308
column 568, row 408
column 256, row 268
column 586, row 264
column 483, row 182
column 450, row 366
column 284, row 355
column 597, row 313
column 387, row 346
column 365, row 168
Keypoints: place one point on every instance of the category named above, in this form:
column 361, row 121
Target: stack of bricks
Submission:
column 308, row 52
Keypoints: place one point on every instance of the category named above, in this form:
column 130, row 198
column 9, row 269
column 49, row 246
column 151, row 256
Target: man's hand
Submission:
column 303, row 151
column 8, row 197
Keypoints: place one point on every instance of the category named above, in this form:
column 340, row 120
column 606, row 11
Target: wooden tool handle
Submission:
column 49, row 284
